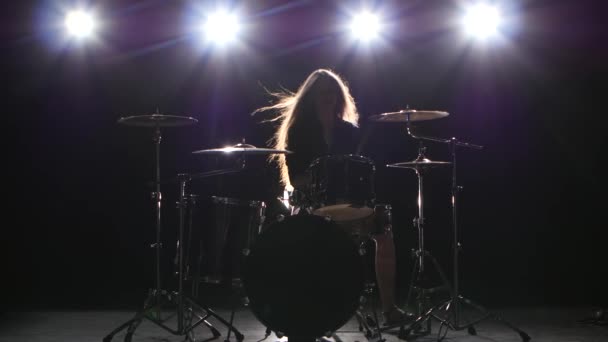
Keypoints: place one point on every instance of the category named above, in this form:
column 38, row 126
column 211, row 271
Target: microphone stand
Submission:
column 453, row 305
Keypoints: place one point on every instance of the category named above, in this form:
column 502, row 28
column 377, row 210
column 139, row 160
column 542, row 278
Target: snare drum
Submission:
column 342, row 187
column 228, row 233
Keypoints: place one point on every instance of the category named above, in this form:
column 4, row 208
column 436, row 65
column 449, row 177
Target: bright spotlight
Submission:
column 221, row 27
column 80, row 24
column 481, row 21
column 365, row 26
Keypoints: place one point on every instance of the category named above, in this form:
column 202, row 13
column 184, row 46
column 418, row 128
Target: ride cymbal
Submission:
column 410, row 115
column 419, row 163
column 157, row 120
column 242, row 149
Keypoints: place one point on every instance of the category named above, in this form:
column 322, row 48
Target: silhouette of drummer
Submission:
column 321, row 119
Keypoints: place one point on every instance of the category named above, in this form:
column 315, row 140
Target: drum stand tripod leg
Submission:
column 210, row 313
column 454, row 304
column 134, row 322
column 238, row 294
column 421, row 326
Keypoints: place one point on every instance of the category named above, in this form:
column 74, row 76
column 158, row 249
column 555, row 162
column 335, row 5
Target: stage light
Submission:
column 365, row 26
column 221, row 27
column 80, row 24
column 481, row 21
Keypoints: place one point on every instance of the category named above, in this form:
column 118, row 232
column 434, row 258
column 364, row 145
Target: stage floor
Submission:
column 542, row 324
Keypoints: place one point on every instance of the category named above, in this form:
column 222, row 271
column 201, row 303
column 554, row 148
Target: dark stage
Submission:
column 544, row 325
column 79, row 219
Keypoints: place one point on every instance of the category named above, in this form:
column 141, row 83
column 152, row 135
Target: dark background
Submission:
column 78, row 216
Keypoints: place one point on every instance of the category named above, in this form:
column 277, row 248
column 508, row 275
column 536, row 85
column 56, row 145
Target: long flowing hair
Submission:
column 291, row 107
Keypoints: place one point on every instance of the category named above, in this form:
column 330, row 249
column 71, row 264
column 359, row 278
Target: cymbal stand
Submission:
column 420, row 270
column 453, row 305
column 157, row 197
column 187, row 308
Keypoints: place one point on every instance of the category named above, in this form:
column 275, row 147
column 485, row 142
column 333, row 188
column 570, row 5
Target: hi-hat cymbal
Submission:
column 157, row 120
column 406, row 115
column 242, row 149
column 419, row 163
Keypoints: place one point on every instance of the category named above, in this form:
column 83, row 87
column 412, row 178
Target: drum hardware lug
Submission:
column 237, row 283
column 418, row 222
column 362, row 250
column 280, row 218
column 369, row 289
column 327, row 218
column 154, row 245
column 415, row 253
column 246, row 251
column 156, row 195
column 459, row 246
column 388, row 228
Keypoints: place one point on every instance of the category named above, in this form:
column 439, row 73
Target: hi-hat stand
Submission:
column 420, row 284
column 189, row 314
column 453, row 306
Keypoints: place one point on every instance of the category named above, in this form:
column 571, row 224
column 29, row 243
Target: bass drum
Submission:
column 304, row 276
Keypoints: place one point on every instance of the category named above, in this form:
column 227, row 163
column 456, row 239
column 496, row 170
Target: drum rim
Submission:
column 237, row 201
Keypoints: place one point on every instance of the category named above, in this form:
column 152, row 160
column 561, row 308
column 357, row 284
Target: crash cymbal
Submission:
column 408, row 114
column 419, row 163
column 157, row 120
column 242, row 149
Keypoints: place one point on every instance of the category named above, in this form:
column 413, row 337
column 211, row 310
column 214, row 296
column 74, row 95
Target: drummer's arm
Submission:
column 297, row 167
column 299, row 161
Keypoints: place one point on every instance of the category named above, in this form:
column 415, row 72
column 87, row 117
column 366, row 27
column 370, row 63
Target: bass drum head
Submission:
column 304, row 276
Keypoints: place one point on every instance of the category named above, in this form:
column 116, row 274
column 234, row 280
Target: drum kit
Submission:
column 303, row 275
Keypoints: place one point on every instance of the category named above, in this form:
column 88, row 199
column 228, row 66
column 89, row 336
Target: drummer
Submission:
column 321, row 119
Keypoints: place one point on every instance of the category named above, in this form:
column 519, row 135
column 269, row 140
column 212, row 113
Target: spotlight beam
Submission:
column 481, row 21
column 221, row 27
column 365, row 26
column 80, row 24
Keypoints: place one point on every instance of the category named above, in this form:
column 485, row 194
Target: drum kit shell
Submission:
column 240, row 247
